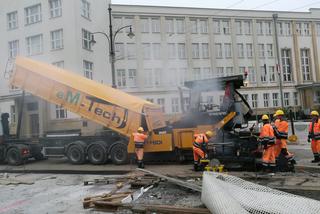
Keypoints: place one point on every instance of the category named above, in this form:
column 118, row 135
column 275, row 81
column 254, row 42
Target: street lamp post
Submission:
column 275, row 17
column 111, row 41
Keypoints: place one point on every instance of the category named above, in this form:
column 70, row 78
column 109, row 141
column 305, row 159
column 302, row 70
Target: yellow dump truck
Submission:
column 118, row 111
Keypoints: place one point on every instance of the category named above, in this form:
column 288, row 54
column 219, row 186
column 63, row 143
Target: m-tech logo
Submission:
column 117, row 115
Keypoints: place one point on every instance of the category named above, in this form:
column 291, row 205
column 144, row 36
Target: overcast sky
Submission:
column 285, row 5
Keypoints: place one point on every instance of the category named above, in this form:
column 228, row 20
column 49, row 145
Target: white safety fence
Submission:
column 226, row 194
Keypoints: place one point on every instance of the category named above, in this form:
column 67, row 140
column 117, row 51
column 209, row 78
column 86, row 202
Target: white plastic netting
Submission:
column 226, row 194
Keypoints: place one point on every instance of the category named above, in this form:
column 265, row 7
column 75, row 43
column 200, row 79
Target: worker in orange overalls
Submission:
column 280, row 128
column 200, row 147
column 267, row 139
column 314, row 135
column 139, row 139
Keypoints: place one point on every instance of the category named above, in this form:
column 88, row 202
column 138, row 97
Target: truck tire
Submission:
column 119, row 153
column 14, row 157
column 2, row 154
column 76, row 154
column 97, row 154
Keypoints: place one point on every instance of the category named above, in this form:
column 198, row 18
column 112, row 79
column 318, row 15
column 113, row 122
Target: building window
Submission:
column 145, row 26
column 88, row 69
column 240, row 50
column 317, row 97
column 12, row 20
column 280, row 28
column 56, row 39
column 186, row 103
column 305, row 64
column 170, row 26
column 247, row 27
column 194, row 25
column 156, row 50
column 220, row 72
column 13, row 48
column 228, row 51
column 161, row 102
column 306, row 28
column 249, row 50
column 299, row 28
column 270, row 50
column 32, row 14
column 146, row 47
column 59, row 64
column 86, row 38
column 286, row 97
column 260, row 28
column 252, row 75
column 286, row 65
column 55, row 8
column 263, row 74
column 171, row 50
column 239, row 27
column 157, row 76
column 148, row 77
column 254, row 99
column 218, row 48
column 288, row 28
column 266, row 100
column 131, row 51
column 85, row 9
column 34, row 45
column 272, row 74
column 182, row 51
column 261, row 50
column 61, row 113
column 295, row 98
column 216, row 27
column 275, row 99
column 13, row 114
column 205, row 50
column 197, row 73
column 268, row 28
column 181, row 27
column 195, row 51
column 175, row 105
column 121, row 78
column 226, row 27
column 119, row 50
column 203, row 26
column 132, row 77
column 155, row 25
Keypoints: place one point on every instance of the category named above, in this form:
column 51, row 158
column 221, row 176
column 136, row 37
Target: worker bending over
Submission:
column 267, row 139
column 200, row 148
column 281, row 132
column 314, row 136
column 139, row 139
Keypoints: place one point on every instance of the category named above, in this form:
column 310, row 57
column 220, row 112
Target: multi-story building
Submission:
column 56, row 32
column 175, row 44
column 171, row 45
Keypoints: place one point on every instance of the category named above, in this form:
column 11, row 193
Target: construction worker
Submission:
column 314, row 135
column 267, row 139
column 281, row 127
column 139, row 139
column 200, row 148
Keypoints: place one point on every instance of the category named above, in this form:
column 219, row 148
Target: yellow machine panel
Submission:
column 155, row 143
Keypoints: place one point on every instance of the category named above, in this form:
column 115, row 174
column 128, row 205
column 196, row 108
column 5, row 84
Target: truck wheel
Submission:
column 97, row 154
column 14, row 157
column 76, row 155
column 2, row 154
column 119, row 154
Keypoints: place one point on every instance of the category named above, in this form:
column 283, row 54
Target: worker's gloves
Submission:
column 309, row 140
column 206, row 156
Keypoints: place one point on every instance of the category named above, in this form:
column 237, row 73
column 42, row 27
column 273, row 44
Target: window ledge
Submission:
column 57, row 49
column 55, row 17
column 32, row 23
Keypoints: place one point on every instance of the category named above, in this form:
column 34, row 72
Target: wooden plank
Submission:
column 174, row 180
column 103, row 205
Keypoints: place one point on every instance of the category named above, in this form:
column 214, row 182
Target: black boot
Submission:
column 196, row 166
column 316, row 159
column 141, row 165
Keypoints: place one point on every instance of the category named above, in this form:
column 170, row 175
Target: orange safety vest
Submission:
column 314, row 130
column 267, row 134
column 281, row 129
column 199, row 139
column 139, row 137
